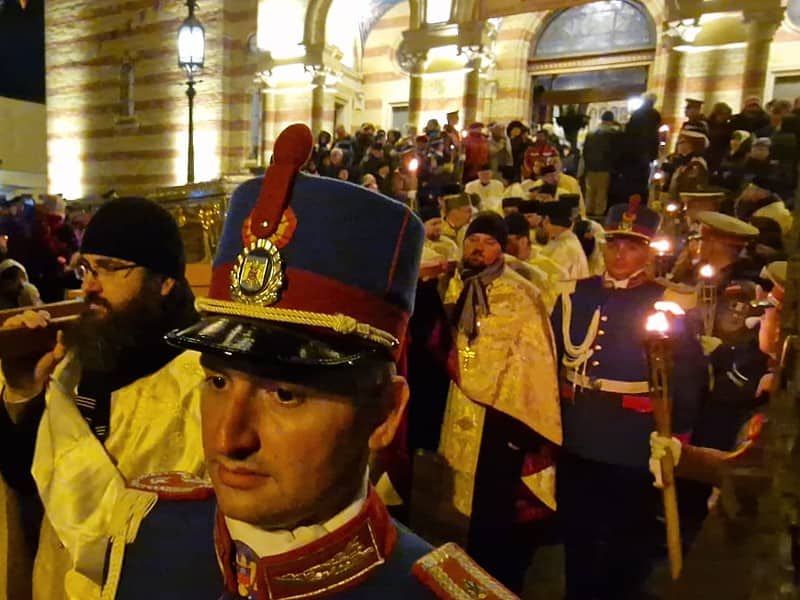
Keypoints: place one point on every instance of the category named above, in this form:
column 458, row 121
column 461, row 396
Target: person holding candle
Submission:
column 607, row 506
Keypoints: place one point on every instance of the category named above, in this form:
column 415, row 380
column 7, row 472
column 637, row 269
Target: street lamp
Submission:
column 191, row 54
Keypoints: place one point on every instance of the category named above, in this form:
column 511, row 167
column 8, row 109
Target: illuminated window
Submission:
column 438, row 11
column 595, row 28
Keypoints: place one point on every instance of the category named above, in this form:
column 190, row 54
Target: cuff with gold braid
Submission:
column 311, row 272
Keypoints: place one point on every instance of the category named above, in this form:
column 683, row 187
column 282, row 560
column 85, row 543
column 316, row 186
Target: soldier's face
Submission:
column 625, row 256
column 281, row 455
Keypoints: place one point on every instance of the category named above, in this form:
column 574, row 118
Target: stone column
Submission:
column 415, row 91
column 472, row 87
column 317, row 100
column 673, row 83
column 761, row 27
column 412, row 61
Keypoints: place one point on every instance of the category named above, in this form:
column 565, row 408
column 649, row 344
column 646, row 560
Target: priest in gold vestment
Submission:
column 108, row 403
column 502, row 419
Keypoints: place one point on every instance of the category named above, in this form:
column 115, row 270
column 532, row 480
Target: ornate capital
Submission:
column 479, row 57
column 411, row 61
column 762, row 24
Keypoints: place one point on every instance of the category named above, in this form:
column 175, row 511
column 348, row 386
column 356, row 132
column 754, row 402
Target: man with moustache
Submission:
column 502, row 416
column 299, row 352
column 110, row 401
column 612, row 542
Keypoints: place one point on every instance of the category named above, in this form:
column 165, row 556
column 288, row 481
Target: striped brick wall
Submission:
column 87, row 42
column 512, row 49
column 385, row 83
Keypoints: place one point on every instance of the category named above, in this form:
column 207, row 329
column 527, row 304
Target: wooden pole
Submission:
column 659, row 353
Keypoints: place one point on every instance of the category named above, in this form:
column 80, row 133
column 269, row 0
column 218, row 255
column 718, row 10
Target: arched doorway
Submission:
column 591, row 58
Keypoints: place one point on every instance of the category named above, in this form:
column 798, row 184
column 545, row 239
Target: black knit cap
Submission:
column 531, row 207
column 489, row 223
column 137, row 230
column 518, row 225
column 559, row 213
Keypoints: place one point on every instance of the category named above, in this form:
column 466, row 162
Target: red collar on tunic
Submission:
column 337, row 561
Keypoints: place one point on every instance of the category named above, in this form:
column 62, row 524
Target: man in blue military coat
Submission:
column 606, row 502
column 299, row 342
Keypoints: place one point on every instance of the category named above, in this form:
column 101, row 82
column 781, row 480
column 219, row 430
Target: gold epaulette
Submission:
column 451, row 574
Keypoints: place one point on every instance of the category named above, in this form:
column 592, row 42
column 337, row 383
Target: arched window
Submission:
column 793, row 14
column 596, row 28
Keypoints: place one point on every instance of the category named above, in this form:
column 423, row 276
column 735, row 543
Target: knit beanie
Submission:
column 489, row 223
column 137, row 230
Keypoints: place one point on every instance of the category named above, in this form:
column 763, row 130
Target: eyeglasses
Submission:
column 84, row 269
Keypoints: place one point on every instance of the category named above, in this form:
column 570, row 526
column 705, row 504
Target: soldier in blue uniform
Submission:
column 311, row 293
column 607, row 505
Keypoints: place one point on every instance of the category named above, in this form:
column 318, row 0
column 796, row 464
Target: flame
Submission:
column 463, row 133
column 707, row 271
column 658, row 176
column 662, row 246
column 657, row 322
column 413, row 164
column 664, row 129
column 672, row 308
column 672, row 207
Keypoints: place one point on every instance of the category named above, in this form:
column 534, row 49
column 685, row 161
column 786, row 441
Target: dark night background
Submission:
column 22, row 50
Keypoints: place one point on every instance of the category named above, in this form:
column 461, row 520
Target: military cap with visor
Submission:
column 314, row 277
column 722, row 228
column 632, row 220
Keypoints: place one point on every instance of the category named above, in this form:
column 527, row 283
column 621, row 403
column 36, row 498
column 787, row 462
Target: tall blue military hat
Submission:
column 632, row 219
column 310, row 271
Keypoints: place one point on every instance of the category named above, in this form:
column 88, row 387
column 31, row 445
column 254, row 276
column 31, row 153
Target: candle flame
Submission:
column 672, row 308
column 707, row 271
column 664, row 128
column 657, row 322
column 661, row 246
column 463, row 133
column 672, row 207
column 413, row 164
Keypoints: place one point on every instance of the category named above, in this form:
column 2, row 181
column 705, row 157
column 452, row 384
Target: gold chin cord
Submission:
column 338, row 323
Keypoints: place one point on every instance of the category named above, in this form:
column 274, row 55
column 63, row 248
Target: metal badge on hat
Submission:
column 629, row 216
column 257, row 277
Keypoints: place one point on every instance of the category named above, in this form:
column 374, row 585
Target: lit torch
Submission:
column 658, row 344
column 663, row 248
column 707, row 297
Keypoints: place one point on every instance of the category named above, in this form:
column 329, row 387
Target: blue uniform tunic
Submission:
column 174, row 558
column 614, row 427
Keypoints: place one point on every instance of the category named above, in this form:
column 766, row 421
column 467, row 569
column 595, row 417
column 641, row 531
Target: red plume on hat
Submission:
column 634, row 203
column 292, row 150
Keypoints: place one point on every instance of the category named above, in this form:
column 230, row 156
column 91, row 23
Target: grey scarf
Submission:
column 473, row 302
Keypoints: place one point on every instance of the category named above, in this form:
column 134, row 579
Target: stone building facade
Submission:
column 117, row 112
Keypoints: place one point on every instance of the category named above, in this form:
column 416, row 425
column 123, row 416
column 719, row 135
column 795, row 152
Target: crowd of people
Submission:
column 475, row 350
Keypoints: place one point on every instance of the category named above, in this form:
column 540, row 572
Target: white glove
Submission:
column 659, row 446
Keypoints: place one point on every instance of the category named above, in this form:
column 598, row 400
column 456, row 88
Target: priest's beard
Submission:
column 121, row 337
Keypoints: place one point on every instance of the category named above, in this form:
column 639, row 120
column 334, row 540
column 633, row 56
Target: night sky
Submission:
column 22, row 50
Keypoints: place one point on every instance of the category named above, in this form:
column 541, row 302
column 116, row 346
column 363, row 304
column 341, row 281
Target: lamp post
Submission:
column 191, row 54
